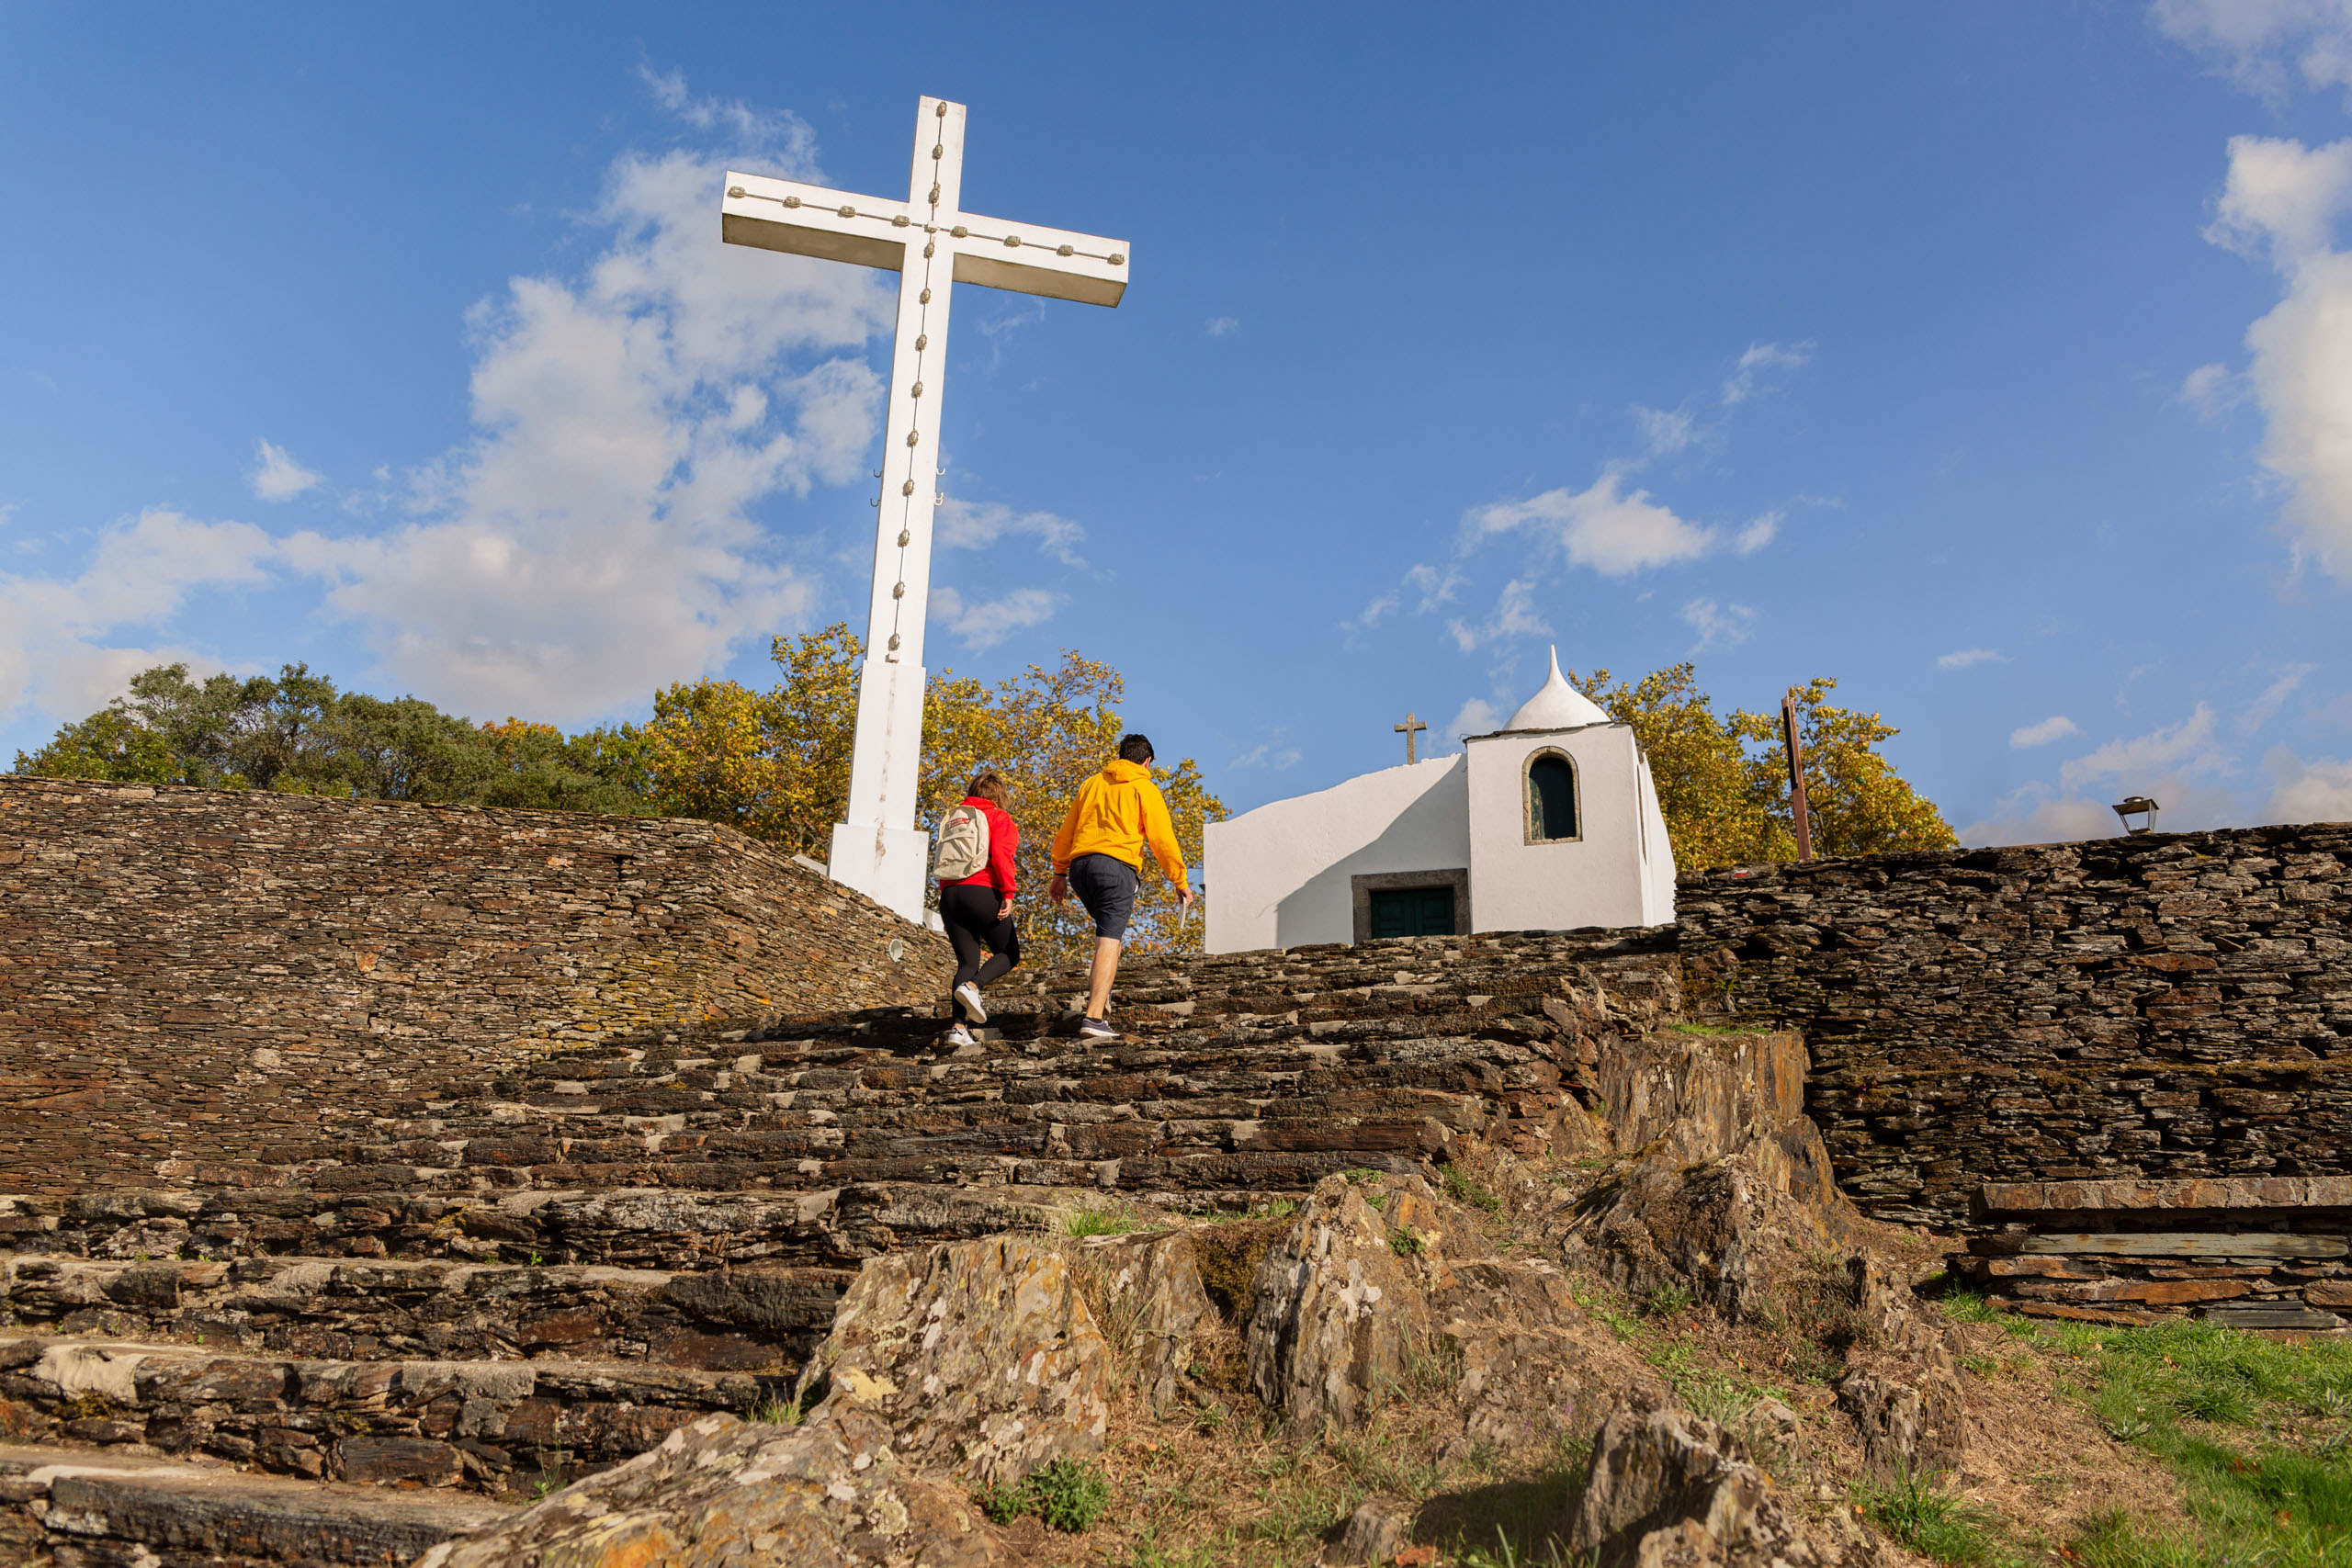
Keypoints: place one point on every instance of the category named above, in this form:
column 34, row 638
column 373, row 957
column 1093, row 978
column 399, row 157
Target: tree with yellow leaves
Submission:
column 775, row 764
column 1722, row 782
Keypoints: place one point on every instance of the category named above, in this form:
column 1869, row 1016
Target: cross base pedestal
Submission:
column 887, row 864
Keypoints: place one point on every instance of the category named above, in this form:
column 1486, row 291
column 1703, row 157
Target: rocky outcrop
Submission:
column 963, row 1366
column 827, row 1495
column 1521, row 1357
column 1670, row 1489
column 1335, row 1320
column 1151, row 1305
column 1905, row 1430
column 980, row 1357
column 1726, row 1191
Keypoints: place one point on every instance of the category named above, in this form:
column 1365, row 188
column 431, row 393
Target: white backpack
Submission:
column 963, row 845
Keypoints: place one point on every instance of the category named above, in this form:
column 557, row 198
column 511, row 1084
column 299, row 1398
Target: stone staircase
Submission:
column 496, row 1286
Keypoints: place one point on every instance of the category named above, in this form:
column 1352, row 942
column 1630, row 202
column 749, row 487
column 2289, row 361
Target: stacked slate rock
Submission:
column 499, row 1288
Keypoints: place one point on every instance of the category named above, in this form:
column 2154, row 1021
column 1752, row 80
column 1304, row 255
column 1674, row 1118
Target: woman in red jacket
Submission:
column 978, row 910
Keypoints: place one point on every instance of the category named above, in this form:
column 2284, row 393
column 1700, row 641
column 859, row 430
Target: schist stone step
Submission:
column 641, row 1228
column 1272, row 1116
column 100, row 1508
column 495, row 1427
column 763, row 1318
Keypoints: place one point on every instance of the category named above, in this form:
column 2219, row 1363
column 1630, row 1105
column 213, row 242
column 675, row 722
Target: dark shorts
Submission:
column 1107, row 887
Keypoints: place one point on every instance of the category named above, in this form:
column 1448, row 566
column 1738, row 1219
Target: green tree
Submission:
column 1722, row 781
column 296, row 734
column 1858, row 803
column 776, row 763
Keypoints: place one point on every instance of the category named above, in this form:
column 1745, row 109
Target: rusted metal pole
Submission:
column 1796, row 778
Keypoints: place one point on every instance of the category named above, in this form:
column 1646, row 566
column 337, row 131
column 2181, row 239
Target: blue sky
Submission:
column 1995, row 359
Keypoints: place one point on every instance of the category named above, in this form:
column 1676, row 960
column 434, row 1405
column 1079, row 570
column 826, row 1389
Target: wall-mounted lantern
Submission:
column 2138, row 806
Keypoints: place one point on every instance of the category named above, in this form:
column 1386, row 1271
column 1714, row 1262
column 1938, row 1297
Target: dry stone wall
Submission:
column 2168, row 1006
column 177, row 964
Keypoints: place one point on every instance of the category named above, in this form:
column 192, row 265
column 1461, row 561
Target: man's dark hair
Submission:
column 1135, row 747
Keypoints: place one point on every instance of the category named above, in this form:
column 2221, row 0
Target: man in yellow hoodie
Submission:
column 1099, row 852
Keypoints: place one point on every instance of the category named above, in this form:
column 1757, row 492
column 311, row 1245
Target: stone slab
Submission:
column 2181, row 1243
column 95, row 1501
column 1998, row 1199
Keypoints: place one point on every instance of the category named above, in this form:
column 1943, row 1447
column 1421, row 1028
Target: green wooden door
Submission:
column 1412, row 911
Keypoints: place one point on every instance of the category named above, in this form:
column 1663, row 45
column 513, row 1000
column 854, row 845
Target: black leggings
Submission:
column 968, row 911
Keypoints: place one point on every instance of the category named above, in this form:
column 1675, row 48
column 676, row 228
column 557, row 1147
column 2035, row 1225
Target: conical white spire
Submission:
column 1557, row 706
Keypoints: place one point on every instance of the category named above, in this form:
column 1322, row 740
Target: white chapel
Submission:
column 1549, row 823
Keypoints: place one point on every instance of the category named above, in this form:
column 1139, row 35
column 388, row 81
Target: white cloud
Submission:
column 2057, row 727
column 56, row 635
column 783, row 138
column 1597, row 528
column 2037, row 819
column 1220, row 325
column 1514, row 615
column 1267, row 755
column 2282, row 198
column 2262, row 44
column 595, row 539
column 1435, row 586
column 2039, row 815
column 278, row 477
column 1758, row 532
column 2285, row 199
column 977, row 526
column 2212, row 390
column 2265, row 707
column 2308, row 792
column 986, row 624
column 1663, row 434
column 1960, row 658
column 1476, row 716
column 1760, row 364
column 1430, row 587
column 1718, row 626
column 2187, row 746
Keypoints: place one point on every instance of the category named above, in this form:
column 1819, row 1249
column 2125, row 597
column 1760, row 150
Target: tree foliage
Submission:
column 296, row 734
column 1722, row 782
column 776, row 763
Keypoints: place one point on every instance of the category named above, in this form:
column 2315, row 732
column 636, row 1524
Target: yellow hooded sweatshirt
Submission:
column 1117, row 811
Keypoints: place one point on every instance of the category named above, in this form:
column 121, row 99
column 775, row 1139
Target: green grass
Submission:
column 1461, row 1190
column 1917, row 1512
column 1406, row 1243
column 1687, row 1028
column 1668, row 1301
column 2259, row 1431
column 770, row 1411
column 1065, row 1494
column 1088, row 1220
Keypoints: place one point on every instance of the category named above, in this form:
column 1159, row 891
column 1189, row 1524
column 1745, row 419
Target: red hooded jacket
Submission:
column 1004, row 841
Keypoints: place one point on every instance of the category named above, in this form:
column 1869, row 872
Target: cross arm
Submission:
column 810, row 221
column 1028, row 258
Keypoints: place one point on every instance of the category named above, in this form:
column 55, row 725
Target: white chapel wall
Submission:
column 1658, row 855
column 1280, row 877
column 1598, row 878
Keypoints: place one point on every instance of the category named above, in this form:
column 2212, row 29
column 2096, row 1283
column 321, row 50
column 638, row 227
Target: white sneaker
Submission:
column 970, row 995
column 959, row 1037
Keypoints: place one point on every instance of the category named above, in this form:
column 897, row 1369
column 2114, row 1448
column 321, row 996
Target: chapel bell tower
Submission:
column 1565, row 826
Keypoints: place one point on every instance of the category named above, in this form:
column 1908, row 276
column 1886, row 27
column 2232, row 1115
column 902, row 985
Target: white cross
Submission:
column 931, row 243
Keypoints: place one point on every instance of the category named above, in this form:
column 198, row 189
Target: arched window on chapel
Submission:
column 1550, row 798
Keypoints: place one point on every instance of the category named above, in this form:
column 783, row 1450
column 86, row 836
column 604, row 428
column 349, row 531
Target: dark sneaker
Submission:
column 1095, row 1029
column 974, row 1009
